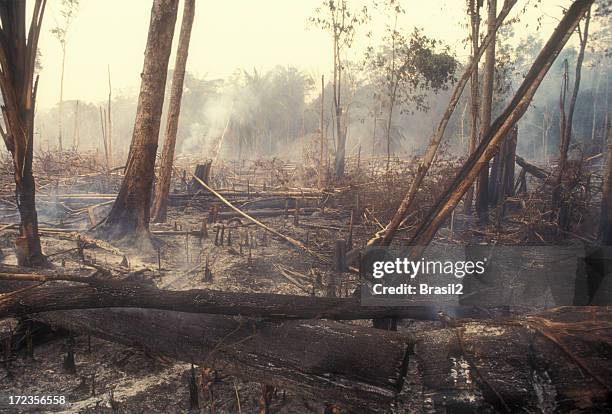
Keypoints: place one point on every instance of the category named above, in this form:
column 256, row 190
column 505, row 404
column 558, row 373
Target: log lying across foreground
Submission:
column 350, row 365
column 556, row 361
column 102, row 293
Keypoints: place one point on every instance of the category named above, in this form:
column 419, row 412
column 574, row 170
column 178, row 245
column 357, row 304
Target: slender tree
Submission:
column 482, row 193
column 474, row 13
column 337, row 17
column 68, row 10
column 162, row 187
column 18, row 64
column 567, row 131
column 130, row 214
column 567, row 123
column 606, row 200
column 405, row 70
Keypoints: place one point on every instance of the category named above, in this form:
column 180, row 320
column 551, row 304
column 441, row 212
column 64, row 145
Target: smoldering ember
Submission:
column 199, row 231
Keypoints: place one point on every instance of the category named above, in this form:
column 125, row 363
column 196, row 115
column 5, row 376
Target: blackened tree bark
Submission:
column 482, row 189
column 130, row 215
column 17, row 60
column 162, row 187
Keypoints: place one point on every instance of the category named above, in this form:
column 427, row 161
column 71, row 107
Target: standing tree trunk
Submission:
column 559, row 203
column 606, row 200
column 129, row 216
column 482, row 193
column 109, row 128
column 75, row 138
column 61, row 99
column 341, row 143
column 584, row 37
column 474, row 23
column 389, row 122
column 17, row 60
column 595, row 94
column 322, row 137
column 162, row 187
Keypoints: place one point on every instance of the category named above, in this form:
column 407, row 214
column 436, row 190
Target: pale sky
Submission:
column 226, row 35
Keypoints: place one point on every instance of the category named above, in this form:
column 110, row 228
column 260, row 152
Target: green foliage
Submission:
column 406, row 69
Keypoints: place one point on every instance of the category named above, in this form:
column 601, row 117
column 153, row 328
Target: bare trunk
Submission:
column 109, row 125
column 475, row 23
column 75, row 138
column 606, row 200
column 389, row 121
column 559, row 202
column 17, row 59
column 322, row 137
column 584, row 37
column 130, row 213
column 595, row 94
column 374, row 132
column 162, row 187
column 482, row 193
column 104, row 141
column 341, row 144
column 339, row 159
column 61, row 99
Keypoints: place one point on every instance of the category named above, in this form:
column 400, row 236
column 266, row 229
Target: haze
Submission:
column 226, row 35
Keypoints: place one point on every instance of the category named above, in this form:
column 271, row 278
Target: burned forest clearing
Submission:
column 423, row 225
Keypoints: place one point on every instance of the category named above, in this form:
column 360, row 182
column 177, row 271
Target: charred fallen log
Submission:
column 555, row 361
column 328, row 361
column 108, row 294
column 534, row 170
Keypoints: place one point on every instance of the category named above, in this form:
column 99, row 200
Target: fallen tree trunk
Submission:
column 555, row 361
column 269, row 212
column 328, row 361
column 534, row 170
column 295, row 243
column 489, row 145
column 108, row 294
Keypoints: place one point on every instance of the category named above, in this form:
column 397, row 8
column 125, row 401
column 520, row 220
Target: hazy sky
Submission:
column 226, row 35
